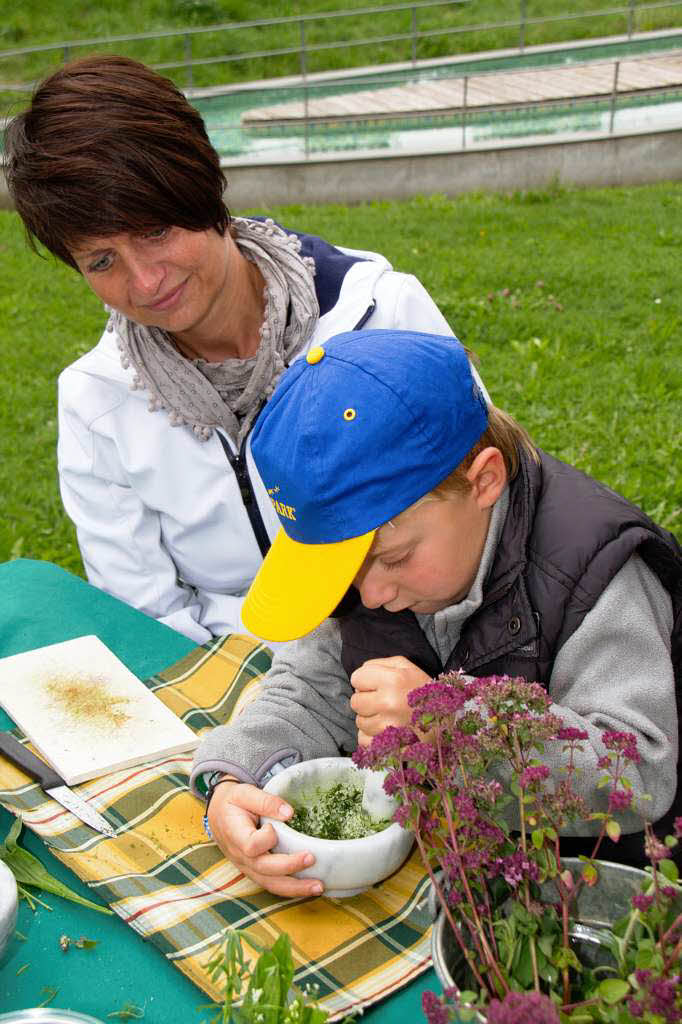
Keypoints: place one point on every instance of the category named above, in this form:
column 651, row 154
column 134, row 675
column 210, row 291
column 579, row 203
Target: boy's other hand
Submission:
column 380, row 699
column 234, row 817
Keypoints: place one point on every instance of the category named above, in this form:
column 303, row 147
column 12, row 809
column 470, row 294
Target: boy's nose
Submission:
column 375, row 591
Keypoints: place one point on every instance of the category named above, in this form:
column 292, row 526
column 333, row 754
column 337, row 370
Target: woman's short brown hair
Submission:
column 107, row 146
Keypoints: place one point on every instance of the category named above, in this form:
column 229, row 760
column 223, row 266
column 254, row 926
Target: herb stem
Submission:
column 518, row 767
column 479, row 931
column 673, row 958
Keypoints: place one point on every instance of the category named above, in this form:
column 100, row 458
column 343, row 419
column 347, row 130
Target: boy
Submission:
column 467, row 547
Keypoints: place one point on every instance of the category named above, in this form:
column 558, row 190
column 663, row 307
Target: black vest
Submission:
column 564, row 539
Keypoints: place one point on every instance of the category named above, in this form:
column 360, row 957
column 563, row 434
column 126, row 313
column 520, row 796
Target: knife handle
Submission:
column 22, row 757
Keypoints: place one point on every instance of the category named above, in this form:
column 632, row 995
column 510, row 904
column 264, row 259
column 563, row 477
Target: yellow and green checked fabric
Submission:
column 171, row 884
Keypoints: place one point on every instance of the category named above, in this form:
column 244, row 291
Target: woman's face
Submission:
column 170, row 277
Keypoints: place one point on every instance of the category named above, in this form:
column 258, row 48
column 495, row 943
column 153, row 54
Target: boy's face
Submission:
column 428, row 559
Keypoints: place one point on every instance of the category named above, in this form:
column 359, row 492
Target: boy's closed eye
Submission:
column 395, row 563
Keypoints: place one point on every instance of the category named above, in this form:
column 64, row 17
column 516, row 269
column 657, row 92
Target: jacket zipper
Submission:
column 365, row 316
column 238, row 462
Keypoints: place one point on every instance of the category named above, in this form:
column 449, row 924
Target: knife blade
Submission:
column 53, row 784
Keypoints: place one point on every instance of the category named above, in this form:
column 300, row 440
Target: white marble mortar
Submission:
column 345, row 866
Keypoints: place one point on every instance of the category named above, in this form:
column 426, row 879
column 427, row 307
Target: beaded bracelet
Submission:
column 209, row 796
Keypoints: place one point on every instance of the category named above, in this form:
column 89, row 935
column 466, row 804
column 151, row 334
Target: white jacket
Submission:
column 160, row 520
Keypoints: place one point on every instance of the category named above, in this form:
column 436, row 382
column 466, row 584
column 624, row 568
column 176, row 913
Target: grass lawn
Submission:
column 34, row 22
column 570, row 299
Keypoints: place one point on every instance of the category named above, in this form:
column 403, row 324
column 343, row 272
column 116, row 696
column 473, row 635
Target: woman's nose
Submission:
column 145, row 278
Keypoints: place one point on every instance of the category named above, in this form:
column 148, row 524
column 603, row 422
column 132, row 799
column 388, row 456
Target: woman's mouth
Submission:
column 169, row 299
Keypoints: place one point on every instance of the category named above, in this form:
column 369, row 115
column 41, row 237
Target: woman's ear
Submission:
column 487, row 475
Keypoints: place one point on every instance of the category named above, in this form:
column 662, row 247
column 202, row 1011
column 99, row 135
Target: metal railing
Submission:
column 464, row 117
column 305, row 47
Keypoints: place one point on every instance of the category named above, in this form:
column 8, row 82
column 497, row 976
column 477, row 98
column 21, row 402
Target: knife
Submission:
column 52, row 783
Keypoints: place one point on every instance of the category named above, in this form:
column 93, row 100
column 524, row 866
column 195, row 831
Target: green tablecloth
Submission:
column 41, row 604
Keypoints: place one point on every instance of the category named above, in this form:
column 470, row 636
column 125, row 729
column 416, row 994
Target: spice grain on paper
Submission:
column 87, row 698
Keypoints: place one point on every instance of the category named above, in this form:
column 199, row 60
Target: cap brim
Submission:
column 299, row 585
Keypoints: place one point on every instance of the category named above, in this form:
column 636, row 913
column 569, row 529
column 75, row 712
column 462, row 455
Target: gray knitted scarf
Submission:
column 206, row 395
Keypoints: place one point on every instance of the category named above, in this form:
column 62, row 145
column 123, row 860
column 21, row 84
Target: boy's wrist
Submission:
column 213, row 784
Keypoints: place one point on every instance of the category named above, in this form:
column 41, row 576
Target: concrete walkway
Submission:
column 483, row 91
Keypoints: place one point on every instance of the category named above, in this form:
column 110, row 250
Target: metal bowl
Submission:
column 595, row 910
column 47, row 1015
column 8, row 906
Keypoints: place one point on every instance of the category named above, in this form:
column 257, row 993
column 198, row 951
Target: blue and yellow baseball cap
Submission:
column 355, row 433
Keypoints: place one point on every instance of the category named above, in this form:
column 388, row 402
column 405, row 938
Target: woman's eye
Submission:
column 156, row 234
column 101, row 263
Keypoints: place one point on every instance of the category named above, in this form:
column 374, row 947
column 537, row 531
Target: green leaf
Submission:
column 613, row 990
column 28, row 870
column 282, row 951
column 619, row 927
column 565, row 957
column 49, row 992
column 643, row 958
column 590, row 874
column 548, row 973
column 314, row 1015
column 669, row 869
column 613, row 830
column 129, row 1011
column 547, row 861
column 538, row 838
column 263, row 992
column 523, row 968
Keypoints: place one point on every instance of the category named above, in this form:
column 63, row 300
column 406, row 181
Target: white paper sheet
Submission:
column 85, row 712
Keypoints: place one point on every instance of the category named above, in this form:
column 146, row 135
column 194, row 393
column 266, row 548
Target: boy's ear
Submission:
column 487, row 476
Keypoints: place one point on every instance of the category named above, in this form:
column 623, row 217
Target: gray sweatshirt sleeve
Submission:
column 303, row 712
column 616, row 673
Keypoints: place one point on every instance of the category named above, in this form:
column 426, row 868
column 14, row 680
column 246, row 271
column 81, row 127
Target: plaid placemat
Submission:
column 173, row 886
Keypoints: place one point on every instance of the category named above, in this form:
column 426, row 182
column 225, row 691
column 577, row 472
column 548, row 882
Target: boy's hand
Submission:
column 234, row 815
column 380, row 699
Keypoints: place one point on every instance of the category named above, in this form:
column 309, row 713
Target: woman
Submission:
column 111, row 169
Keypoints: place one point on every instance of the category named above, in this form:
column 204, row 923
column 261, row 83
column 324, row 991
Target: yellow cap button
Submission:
column 315, row 355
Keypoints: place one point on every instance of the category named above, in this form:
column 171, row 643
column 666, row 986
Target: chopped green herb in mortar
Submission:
column 335, row 813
